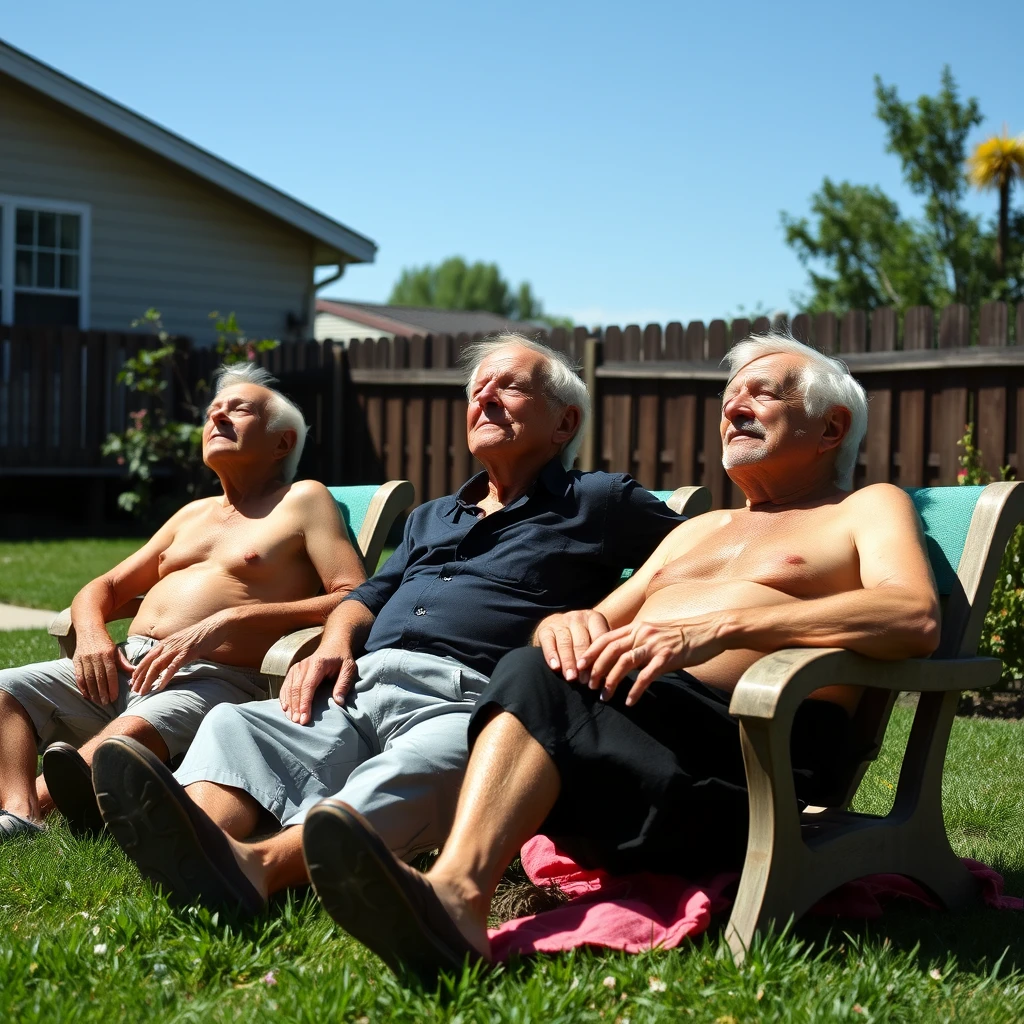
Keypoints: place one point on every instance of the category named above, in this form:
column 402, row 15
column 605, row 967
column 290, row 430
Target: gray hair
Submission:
column 284, row 414
column 825, row 383
column 561, row 381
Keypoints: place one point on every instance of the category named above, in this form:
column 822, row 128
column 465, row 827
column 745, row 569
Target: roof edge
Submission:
column 78, row 97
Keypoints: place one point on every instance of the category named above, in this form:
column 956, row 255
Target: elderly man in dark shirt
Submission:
column 408, row 654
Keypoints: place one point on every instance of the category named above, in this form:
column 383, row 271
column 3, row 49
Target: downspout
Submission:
column 317, row 285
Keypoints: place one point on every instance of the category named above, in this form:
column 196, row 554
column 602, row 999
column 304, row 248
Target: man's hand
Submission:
column 652, row 647
column 155, row 671
column 96, row 661
column 305, row 677
column 566, row 636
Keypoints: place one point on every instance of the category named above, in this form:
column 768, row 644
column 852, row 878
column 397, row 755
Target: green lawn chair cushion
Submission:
column 353, row 502
column 946, row 513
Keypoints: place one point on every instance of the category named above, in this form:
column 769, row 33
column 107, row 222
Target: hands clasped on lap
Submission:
column 581, row 645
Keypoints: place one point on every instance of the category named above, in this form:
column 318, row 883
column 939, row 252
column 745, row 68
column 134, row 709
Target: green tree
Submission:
column 868, row 253
column 456, row 284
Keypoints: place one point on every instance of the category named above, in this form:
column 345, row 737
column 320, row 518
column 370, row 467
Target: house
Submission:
column 104, row 214
column 344, row 320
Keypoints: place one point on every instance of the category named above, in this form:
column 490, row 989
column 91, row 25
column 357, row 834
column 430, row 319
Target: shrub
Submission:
column 155, row 438
column 1003, row 634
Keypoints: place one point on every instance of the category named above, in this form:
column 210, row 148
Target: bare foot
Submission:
column 466, row 907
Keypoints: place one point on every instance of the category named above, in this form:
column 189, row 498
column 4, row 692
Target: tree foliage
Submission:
column 456, row 284
column 862, row 252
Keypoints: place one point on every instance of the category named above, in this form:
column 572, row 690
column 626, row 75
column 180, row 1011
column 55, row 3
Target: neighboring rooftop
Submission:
column 338, row 243
column 362, row 319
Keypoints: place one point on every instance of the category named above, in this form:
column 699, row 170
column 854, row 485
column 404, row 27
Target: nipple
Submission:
column 251, row 556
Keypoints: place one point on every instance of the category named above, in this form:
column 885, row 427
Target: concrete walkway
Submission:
column 14, row 617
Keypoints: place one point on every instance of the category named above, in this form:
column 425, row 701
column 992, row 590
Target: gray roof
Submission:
column 340, row 242
column 409, row 320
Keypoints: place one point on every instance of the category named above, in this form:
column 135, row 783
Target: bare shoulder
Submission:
column 190, row 513
column 692, row 530
column 879, row 499
column 308, row 491
column 310, row 501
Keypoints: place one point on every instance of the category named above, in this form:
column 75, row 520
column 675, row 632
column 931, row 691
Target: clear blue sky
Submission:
column 629, row 159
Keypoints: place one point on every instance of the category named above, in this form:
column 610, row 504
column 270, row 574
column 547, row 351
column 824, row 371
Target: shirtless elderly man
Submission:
column 635, row 763
column 224, row 578
column 378, row 715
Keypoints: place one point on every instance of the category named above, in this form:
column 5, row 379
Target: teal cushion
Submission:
column 946, row 513
column 353, row 502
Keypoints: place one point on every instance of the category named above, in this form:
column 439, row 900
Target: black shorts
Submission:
column 659, row 786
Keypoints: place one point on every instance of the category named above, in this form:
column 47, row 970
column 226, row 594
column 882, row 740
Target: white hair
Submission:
column 561, row 381
column 825, row 382
column 284, row 414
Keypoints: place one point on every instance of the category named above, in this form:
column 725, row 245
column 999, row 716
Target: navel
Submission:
column 795, row 559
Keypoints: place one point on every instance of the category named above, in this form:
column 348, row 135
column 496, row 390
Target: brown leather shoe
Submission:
column 377, row 899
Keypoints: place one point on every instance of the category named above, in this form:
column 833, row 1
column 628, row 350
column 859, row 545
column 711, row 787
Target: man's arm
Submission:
column 337, row 564
column 344, row 637
column 97, row 659
column 893, row 615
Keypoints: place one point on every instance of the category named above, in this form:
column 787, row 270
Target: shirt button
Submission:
column 446, row 579
column 420, row 611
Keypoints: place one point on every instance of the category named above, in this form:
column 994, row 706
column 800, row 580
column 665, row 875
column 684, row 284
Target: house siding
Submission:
column 161, row 237
column 330, row 327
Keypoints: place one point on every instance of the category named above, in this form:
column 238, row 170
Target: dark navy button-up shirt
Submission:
column 473, row 587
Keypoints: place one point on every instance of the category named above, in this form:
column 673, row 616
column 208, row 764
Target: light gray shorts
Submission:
column 395, row 750
column 47, row 691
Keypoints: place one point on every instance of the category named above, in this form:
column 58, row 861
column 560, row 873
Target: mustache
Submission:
column 750, row 426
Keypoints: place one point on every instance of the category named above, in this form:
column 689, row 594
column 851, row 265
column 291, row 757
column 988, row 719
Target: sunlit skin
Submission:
column 223, row 578
column 802, row 564
column 513, row 430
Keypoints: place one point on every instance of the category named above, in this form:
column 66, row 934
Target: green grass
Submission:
column 48, row 573
column 83, row 938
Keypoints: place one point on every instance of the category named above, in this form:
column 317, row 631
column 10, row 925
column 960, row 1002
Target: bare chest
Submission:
column 249, row 549
column 804, row 555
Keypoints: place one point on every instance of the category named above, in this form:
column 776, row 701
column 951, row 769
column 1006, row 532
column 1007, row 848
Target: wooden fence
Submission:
column 385, row 408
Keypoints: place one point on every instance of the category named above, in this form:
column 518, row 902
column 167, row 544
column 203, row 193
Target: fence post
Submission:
column 588, row 451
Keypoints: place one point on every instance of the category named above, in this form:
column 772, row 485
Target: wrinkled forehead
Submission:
column 251, row 394
column 780, row 369
column 513, row 361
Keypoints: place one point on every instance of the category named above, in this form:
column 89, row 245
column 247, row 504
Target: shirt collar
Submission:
column 554, row 477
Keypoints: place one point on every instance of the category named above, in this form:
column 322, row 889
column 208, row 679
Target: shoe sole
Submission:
column 147, row 821
column 70, row 787
column 354, row 875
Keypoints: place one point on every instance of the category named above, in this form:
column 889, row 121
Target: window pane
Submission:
column 35, row 310
column 46, row 270
column 24, row 228
column 68, row 272
column 69, row 231
column 23, row 268
column 46, row 227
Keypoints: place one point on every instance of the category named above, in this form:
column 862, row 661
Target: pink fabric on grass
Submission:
column 639, row 912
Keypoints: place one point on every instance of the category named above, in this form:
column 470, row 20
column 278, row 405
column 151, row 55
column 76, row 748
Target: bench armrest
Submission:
column 284, row 653
column 775, row 685
column 63, row 631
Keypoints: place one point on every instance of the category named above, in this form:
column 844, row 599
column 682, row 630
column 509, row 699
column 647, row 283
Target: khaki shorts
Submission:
column 47, row 691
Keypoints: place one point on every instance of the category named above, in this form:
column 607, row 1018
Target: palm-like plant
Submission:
column 996, row 163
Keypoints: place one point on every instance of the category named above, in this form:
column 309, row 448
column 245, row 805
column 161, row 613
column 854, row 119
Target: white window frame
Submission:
column 10, row 203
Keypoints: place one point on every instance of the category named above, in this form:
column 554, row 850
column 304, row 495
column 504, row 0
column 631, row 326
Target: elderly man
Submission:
column 224, row 577
column 636, row 764
column 474, row 573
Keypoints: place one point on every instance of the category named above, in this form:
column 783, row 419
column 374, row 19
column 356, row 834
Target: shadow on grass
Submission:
column 977, row 939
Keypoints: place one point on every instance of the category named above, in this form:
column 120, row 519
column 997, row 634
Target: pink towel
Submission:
column 636, row 913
